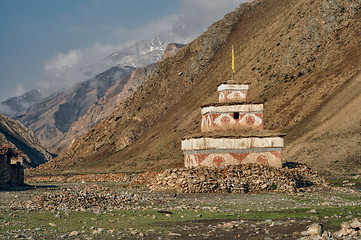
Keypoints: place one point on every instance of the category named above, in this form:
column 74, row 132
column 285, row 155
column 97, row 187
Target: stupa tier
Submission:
column 232, row 92
column 232, row 133
column 216, row 117
column 223, row 151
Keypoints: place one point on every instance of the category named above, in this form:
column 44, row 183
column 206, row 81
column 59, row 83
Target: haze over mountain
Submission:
column 59, row 119
column 302, row 57
column 17, row 104
column 139, row 54
column 55, row 58
column 51, row 119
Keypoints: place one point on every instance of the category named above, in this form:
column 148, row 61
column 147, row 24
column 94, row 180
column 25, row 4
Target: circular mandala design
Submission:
column 262, row 159
column 225, row 120
column 218, row 161
column 250, row 120
column 237, row 95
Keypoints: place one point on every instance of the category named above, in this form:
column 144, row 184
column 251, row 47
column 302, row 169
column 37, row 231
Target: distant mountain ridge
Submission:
column 135, row 55
column 104, row 106
column 142, row 53
column 138, row 54
column 51, row 119
column 58, row 120
column 17, row 104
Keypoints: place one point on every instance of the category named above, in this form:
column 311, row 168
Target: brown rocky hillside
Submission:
column 103, row 107
column 60, row 119
column 302, row 57
column 51, row 120
column 20, row 139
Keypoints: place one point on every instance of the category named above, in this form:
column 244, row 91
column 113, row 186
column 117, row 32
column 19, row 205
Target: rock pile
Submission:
column 141, row 178
column 95, row 197
column 107, row 177
column 144, row 178
column 237, row 179
column 349, row 230
column 315, row 230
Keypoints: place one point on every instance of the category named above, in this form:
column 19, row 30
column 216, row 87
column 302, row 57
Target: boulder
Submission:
column 315, row 229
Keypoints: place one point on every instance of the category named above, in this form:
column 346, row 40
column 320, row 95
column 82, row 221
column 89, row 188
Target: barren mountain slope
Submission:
column 330, row 139
column 18, row 104
column 14, row 134
column 51, row 119
column 103, row 107
column 65, row 116
column 302, row 58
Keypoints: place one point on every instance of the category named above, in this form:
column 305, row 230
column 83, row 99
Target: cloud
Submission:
column 77, row 65
column 194, row 18
column 61, row 61
column 197, row 15
column 19, row 90
column 15, row 105
column 65, row 69
column 11, row 92
column 149, row 30
column 5, row 109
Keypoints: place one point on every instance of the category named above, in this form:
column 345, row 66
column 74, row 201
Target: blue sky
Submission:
column 33, row 32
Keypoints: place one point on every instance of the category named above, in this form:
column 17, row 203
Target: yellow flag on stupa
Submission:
column 234, row 71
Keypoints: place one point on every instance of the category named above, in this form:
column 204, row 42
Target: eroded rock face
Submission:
column 18, row 137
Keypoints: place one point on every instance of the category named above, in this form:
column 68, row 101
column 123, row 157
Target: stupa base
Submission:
column 221, row 159
column 223, row 151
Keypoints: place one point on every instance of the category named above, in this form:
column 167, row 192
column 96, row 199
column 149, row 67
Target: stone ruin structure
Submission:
column 232, row 133
column 11, row 167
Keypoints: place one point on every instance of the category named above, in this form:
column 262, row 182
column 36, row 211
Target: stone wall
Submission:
column 10, row 174
column 5, row 170
column 17, row 174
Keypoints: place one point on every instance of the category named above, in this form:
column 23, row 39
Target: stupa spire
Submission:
column 233, row 68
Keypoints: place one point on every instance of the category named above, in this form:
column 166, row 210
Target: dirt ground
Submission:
column 142, row 214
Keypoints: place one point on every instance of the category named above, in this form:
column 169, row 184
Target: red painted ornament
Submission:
column 218, row 161
column 225, row 120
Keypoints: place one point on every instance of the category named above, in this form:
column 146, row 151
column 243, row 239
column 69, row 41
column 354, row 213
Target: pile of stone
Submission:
column 86, row 198
column 237, row 179
column 349, row 230
column 143, row 178
column 307, row 173
column 315, row 231
column 107, row 177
